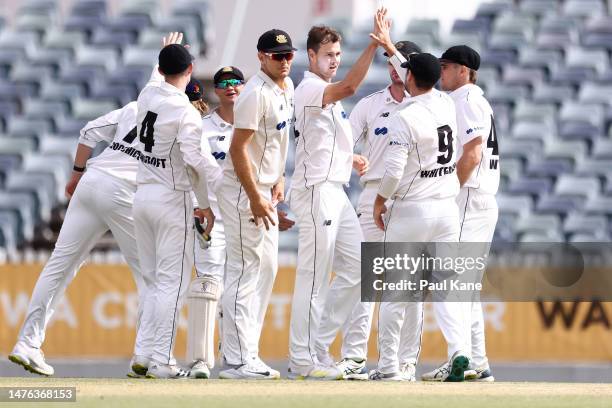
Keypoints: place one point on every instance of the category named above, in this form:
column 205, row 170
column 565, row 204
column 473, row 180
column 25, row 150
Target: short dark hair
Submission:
column 473, row 76
column 319, row 35
column 422, row 83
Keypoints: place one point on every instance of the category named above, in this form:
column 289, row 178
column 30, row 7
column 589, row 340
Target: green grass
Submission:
column 309, row 394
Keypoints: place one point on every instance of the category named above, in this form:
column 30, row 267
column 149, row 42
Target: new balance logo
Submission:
column 219, row 155
column 344, row 115
column 385, row 115
column 327, row 223
column 281, row 125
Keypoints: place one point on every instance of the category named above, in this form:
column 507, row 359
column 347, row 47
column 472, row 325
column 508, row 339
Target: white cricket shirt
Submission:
column 324, row 141
column 474, row 119
column 267, row 109
column 169, row 131
column 118, row 129
column 420, row 159
column 370, row 121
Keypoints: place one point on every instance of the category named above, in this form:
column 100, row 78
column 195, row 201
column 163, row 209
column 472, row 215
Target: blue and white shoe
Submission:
column 480, row 374
column 408, row 372
column 353, row 370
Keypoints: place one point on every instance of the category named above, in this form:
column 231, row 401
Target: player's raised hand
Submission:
column 380, row 210
column 172, row 38
column 360, row 164
column 263, row 210
column 382, row 31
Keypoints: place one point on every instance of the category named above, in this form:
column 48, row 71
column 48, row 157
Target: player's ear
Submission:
column 311, row 55
column 260, row 56
column 190, row 69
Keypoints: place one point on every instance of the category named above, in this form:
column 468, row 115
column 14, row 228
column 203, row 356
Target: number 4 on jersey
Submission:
column 146, row 131
column 492, row 144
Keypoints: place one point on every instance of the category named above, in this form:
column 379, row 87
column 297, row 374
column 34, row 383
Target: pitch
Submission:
column 312, row 394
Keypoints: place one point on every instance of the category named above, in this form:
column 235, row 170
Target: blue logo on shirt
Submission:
column 344, row 115
column 380, row 131
column 219, row 155
column 281, row 125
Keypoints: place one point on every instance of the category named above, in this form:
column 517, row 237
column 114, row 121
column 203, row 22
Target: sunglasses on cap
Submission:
column 280, row 56
column 226, row 83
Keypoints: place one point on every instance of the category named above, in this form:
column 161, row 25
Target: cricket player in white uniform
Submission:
column 171, row 165
column 205, row 290
column 478, row 173
column 370, row 121
column 252, row 187
column 101, row 200
column 419, row 177
column 329, row 232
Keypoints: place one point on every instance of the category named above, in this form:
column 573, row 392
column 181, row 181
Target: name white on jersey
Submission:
column 422, row 148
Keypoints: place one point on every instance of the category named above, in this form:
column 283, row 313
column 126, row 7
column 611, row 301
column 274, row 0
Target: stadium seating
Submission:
column 546, row 68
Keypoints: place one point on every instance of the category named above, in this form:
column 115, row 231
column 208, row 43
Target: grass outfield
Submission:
column 311, row 394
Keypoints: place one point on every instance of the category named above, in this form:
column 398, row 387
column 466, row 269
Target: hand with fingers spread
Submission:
column 360, row 164
column 382, row 31
column 263, row 210
column 174, row 37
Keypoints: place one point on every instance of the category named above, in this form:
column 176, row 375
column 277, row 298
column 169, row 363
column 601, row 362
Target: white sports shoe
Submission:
column 248, row 371
column 408, row 372
column 261, row 366
column 316, row 372
column 353, row 370
column 377, row 375
column 165, row 371
column 138, row 367
column 199, row 370
column 437, row 374
column 32, row 360
column 480, row 374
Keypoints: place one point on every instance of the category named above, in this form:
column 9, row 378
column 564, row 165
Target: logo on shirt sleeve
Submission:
column 281, row 125
column 344, row 115
column 219, row 155
column 380, row 131
column 474, row 129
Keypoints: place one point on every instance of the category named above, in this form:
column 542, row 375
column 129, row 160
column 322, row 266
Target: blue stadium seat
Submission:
column 502, row 93
column 66, row 40
column 553, row 41
column 570, row 185
column 24, row 205
column 22, row 126
column 593, row 167
column 84, row 23
column 578, row 120
column 538, row 7
column 574, row 150
column 514, row 75
column 602, row 149
column 37, row 23
column 504, row 230
column 515, row 23
column 427, row 27
column 109, row 37
column 561, row 205
column 136, row 76
column 505, row 41
column 185, row 24
column 592, row 92
column 543, row 167
column 54, row 144
column 524, row 149
column 69, row 127
column 16, row 146
column 599, row 205
column 545, row 93
column 514, row 204
column 121, row 94
column 597, row 60
column 597, row 40
column 599, row 236
column 531, row 186
column 511, row 169
column 533, row 57
column 540, row 131
column 538, row 223
column 59, row 91
column 57, row 165
column 129, row 23
column 104, row 57
column 10, row 229
column 96, row 8
column 478, row 26
column 578, row 222
column 535, row 112
column 85, row 76
column 583, row 8
column 493, row 9
column 88, row 109
column 40, row 184
column 546, row 236
column 134, row 56
column 37, row 108
column 21, row 41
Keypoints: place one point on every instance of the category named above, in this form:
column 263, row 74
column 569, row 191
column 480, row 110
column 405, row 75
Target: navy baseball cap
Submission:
column 424, row 66
column 194, row 90
column 275, row 41
column 174, row 59
column 462, row 55
column 406, row 48
column 229, row 70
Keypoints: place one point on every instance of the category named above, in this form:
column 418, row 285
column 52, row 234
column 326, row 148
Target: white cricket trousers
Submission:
column 357, row 329
column 435, row 221
column 329, row 239
column 478, row 213
column 164, row 234
column 250, row 270
column 100, row 203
